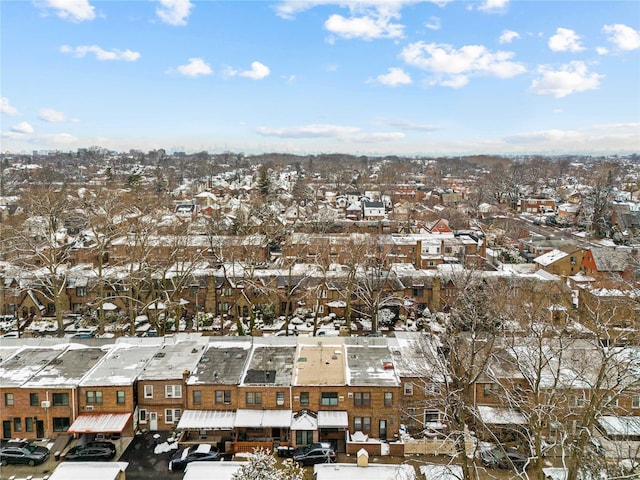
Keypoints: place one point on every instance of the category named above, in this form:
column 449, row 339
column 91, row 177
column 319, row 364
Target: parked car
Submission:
column 196, row 453
column 90, row 454
column 315, row 453
column 102, row 444
column 496, row 457
column 22, row 452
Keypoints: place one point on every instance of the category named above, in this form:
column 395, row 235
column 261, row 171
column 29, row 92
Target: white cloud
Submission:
column 565, row 40
column 602, row 50
column 595, row 138
column 421, row 127
column 53, row 116
column 395, row 77
column 22, row 127
column 376, row 137
column 288, row 9
column 258, row 71
column 174, row 12
column 493, row 5
column 433, row 23
column 103, row 55
column 571, row 78
column 623, row 37
column 74, row 10
column 309, row 131
column 455, row 81
column 6, row 108
column 60, row 139
column 508, row 36
column 195, row 68
column 342, row 133
column 452, row 67
column 365, row 27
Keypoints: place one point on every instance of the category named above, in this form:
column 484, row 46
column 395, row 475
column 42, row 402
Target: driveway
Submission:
column 143, row 463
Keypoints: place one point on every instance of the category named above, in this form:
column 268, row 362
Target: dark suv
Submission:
column 22, row 452
column 315, row 453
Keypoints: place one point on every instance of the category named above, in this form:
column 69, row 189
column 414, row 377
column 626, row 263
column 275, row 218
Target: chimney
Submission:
column 363, row 458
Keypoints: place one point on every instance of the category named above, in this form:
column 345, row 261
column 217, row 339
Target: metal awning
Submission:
column 304, row 421
column 100, row 423
column 500, row 416
column 333, row 419
column 263, row 418
column 207, row 420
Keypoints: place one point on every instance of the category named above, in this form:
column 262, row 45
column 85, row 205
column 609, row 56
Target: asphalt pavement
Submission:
column 143, row 463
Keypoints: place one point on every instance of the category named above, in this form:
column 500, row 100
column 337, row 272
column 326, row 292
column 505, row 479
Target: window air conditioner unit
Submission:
column 45, row 404
column 89, row 408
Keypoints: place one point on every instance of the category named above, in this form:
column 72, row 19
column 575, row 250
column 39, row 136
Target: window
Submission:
column 490, row 389
column 635, row 401
column 362, row 399
column 610, row 401
column 254, row 398
column 388, row 399
column 60, row 424
column 324, row 294
column 362, row 424
column 304, row 437
column 418, row 292
column 173, row 391
column 81, row 292
column 197, row 397
column 223, row 396
column 431, row 416
column 579, row 399
column 329, row 399
column 17, row 424
column 142, row 416
column 172, row 415
column 60, row 400
column 28, row 424
column 148, row 391
column 304, row 398
column 34, row 400
column 279, row 398
column 8, row 399
column 94, row 397
column 51, row 308
column 120, row 397
column 408, row 388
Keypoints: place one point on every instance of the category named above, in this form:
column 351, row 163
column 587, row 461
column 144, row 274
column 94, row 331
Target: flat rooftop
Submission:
column 121, row 366
column 25, row 363
column 173, row 359
column 320, row 364
column 67, row 369
column 222, row 364
column 270, row 365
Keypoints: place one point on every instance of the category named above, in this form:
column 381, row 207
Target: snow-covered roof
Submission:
column 207, row 419
column 500, row 416
column 24, row 364
column 121, row 366
column 100, row 423
column 67, row 369
column 263, row 418
column 351, row 471
column 209, row 470
column 333, row 419
column 369, row 364
column 92, row 470
column 434, row 471
column 615, row 425
column 550, row 257
column 172, row 360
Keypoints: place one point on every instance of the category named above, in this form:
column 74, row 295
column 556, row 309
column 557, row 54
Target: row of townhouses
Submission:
column 271, row 391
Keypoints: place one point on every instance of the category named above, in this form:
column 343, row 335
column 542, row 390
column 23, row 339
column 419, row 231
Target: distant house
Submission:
column 606, row 262
column 536, row 205
column 373, row 210
column 565, row 261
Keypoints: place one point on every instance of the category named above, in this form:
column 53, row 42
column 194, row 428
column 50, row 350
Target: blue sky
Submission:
column 404, row 77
